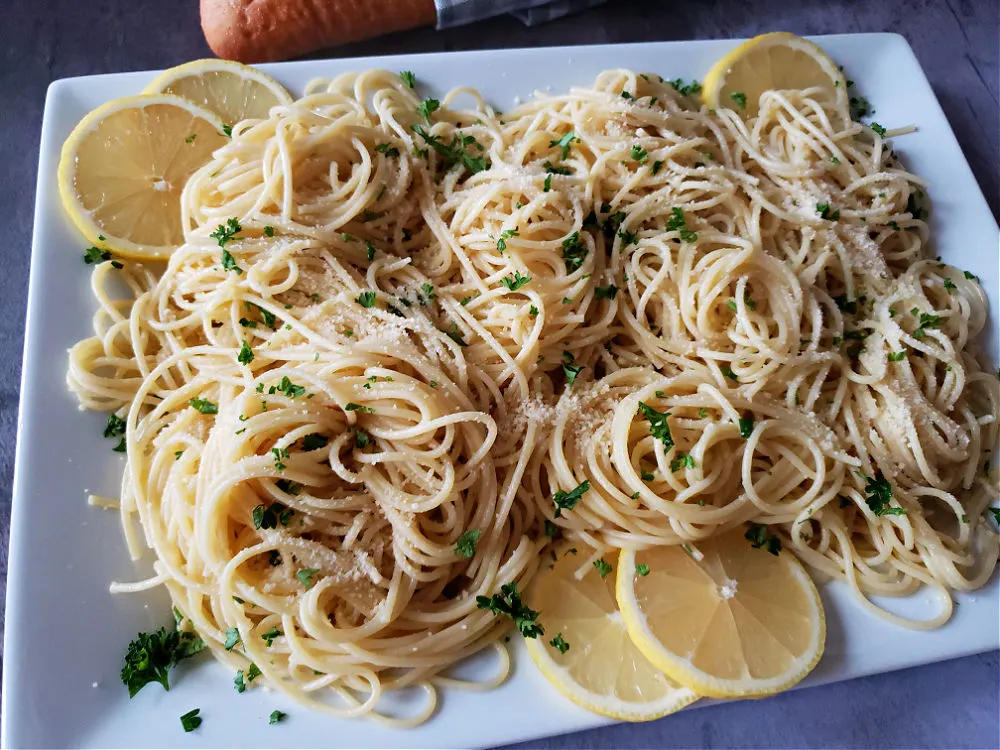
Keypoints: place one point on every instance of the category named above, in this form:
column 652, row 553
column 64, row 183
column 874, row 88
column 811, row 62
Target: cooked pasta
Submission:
column 403, row 347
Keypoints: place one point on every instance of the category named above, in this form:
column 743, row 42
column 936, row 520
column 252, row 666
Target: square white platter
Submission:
column 66, row 634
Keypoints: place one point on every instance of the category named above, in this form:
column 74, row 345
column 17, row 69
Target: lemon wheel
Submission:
column 233, row 91
column 586, row 653
column 737, row 623
column 775, row 61
column 124, row 166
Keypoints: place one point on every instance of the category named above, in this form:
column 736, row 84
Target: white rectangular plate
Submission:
column 66, row 634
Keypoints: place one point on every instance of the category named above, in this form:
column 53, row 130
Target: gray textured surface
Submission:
column 954, row 704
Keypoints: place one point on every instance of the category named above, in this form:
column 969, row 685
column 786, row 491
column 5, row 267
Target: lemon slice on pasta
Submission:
column 586, row 652
column 232, row 90
column 124, row 166
column 725, row 619
column 772, row 62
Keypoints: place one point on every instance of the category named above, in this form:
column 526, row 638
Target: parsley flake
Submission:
column 564, row 143
column 203, row 405
column 515, row 282
column 658, row 426
column 305, row 577
column 466, row 544
column 508, row 602
column 191, row 720
column 603, row 567
column 758, row 537
column 568, row 500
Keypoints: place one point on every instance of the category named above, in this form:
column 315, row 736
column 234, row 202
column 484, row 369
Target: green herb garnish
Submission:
column 466, row 544
column 508, row 602
column 568, row 500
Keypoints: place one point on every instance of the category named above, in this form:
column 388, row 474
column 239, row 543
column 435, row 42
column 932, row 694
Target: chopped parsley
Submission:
column 150, row 656
column 358, row 407
column 508, row 602
column 289, row 488
column 574, row 252
column 314, row 441
column 287, row 388
column 564, row 143
column 279, row 716
column 227, row 130
column 455, row 334
column 685, row 89
column 926, row 321
column 683, row 461
column 603, row 567
column 225, row 232
column 878, row 129
column 191, row 720
column 271, row 516
column 628, row 238
column 245, row 356
column 657, row 166
column 232, row 638
column 746, row 427
column 547, row 185
column 203, row 405
column 570, row 370
column 515, row 282
column 428, row 107
column 568, row 500
column 369, row 250
column 279, row 454
column 269, row 231
column 859, row 106
column 880, row 496
column 366, row 299
column 361, row 439
column 410, row 80
column 740, row 98
column 466, row 544
column 641, row 570
column 533, row 310
column 639, row 154
column 559, row 644
column 677, row 222
column 949, row 284
column 455, row 152
column 305, row 577
column 845, row 305
column 388, row 149
column 505, row 235
column 96, row 255
column 229, row 263
column 897, row 356
column 658, row 426
column 825, row 212
column 270, row 635
column 606, row 292
column 551, row 529
column 758, row 537
column 553, row 169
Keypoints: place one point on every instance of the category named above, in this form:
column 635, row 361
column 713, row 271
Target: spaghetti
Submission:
column 396, row 332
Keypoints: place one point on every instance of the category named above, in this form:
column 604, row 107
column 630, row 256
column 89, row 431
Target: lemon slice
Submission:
column 599, row 669
column 769, row 62
column 233, row 91
column 124, row 166
column 738, row 623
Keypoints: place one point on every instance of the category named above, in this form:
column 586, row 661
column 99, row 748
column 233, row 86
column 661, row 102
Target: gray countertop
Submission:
column 952, row 704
